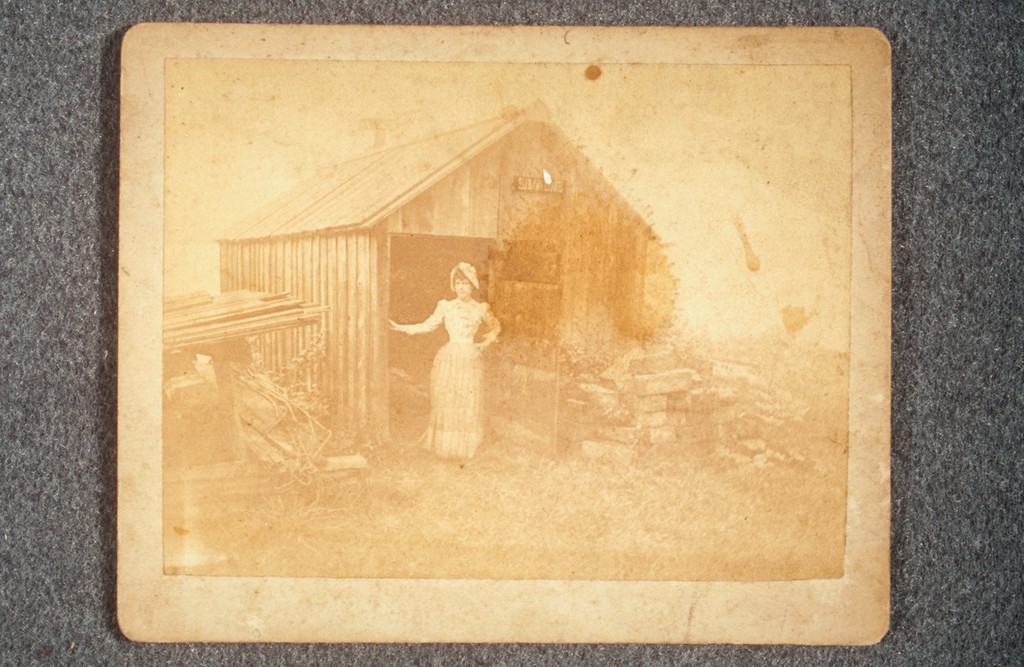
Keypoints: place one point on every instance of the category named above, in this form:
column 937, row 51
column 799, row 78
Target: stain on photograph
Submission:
column 506, row 321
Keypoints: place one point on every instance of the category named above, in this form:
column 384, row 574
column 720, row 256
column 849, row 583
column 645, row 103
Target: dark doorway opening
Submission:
column 420, row 270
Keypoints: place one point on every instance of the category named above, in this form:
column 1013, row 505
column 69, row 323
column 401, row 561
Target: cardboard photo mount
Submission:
column 159, row 607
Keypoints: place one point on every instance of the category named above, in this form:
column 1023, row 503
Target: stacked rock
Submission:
column 644, row 404
column 661, row 394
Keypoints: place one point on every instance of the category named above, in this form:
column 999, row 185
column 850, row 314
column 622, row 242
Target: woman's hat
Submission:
column 466, row 269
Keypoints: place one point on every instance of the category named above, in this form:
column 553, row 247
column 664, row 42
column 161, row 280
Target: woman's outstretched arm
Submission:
column 426, row 326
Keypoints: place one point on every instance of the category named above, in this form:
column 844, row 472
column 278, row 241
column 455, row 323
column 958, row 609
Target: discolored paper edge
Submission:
column 156, row 607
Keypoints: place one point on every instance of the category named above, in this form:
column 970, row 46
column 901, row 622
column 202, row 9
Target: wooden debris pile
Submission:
column 285, row 436
column 269, row 437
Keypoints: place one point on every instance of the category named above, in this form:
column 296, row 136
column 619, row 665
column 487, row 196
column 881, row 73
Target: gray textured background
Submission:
column 957, row 325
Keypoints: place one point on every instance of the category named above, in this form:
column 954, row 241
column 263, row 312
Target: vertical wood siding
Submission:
column 340, row 271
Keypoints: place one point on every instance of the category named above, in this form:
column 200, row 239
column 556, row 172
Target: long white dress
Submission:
column 456, row 426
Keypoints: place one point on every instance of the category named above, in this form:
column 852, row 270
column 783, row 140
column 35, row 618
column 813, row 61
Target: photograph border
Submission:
column 153, row 606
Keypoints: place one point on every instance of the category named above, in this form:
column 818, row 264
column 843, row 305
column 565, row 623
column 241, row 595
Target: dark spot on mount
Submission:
column 593, row 73
column 795, row 318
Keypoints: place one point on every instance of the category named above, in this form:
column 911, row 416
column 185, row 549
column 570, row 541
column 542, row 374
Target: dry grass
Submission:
column 688, row 514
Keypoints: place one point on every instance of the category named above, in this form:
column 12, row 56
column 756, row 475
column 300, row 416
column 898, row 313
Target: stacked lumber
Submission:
column 203, row 318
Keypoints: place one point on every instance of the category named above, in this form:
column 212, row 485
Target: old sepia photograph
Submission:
column 506, row 321
column 504, row 334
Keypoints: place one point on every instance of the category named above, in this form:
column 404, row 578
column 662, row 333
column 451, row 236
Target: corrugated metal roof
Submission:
column 361, row 192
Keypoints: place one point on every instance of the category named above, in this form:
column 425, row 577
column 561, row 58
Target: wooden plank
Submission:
column 341, row 340
column 294, row 250
column 223, row 255
column 334, row 300
column 366, row 324
column 282, row 249
column 226, row 266
column 359, row 317
column 254, row 266
column 258, row 266
column 267, row 264
column 246, row 274
column 308, row 276
column 245, row 319
column 299, row 282
column 316, row 295
column 362, row 286
column 240, row 265
column 287, row 249
column 341, row 330
column 319, row 292
column 237, row 264
column 261, row 266
column 330, row 271
column 379, row 340
column 372, row 325
column 275, row 248
column 267, row 251
column 383, row 375
column 231, row 252
column 212, row 317
column 351, row 314
column 243, row 266
column 302, row 274
column 225, row 312
column 278, row 252
column 248, row 324
column 225, row 301
column 250, row 329
column 222, row 265
column 306, row 334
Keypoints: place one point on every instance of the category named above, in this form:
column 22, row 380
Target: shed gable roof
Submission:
column 358, row 193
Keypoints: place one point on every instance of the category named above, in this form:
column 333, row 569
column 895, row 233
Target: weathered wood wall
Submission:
column 463, row 203
column 347, row 273
column 600, row 240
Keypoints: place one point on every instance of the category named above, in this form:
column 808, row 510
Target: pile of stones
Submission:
column 642, row 401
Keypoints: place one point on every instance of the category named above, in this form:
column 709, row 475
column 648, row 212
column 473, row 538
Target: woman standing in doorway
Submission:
column 456, row 425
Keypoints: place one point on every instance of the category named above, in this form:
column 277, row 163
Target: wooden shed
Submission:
column 556, row 246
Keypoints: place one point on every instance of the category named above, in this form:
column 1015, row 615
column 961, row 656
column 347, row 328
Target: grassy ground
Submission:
column 696, row 512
